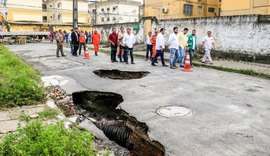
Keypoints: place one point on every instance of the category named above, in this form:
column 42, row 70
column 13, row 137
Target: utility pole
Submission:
column 95, row 13
column 75, row 13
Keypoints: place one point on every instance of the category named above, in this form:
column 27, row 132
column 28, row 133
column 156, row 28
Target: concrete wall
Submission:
column 105, row 30
column 237, row 37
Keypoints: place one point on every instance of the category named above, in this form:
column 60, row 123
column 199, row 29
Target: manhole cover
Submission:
column 174, row 111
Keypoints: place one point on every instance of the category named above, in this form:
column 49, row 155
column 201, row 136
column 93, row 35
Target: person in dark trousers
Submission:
column 113, row 37
column 160, row 46
column 149, row 46
column 82, row 42
column 129, row 41
column 75, row 41
column 59, row 41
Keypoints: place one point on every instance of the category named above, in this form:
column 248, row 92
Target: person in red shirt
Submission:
column 96, row 41
column 113, row 37
column 82, row 40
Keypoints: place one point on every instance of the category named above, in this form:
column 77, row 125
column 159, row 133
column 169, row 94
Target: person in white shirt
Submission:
column 160, row 46
column 129, row 41
column 174, row 46
column 148, row 45
column 208, row 45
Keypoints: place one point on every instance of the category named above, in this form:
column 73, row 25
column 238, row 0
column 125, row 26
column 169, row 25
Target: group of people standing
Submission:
column 77, row 40
column 179, row 43
column 122, row 44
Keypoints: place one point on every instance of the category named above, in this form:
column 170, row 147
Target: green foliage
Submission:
column 47, row 140
column 19, row 83
column 48, row 113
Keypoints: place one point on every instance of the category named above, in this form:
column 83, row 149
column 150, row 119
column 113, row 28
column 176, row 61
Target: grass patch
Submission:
column 39, row 139
column 20, row 84
column 48, row 113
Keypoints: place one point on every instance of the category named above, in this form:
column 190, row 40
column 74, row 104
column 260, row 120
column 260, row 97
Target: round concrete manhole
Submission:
column 174, row 111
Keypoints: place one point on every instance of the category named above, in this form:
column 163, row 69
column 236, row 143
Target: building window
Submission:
column 50, row 6
column 102, row 19
column 108, row 9
column 59, row 5
column 114, row 8
column 59, row 16
column 188, row 9
column 211, row 10
column 108, row 19
column 135, row 20
column 51, row 17
column 200, row 9
column 102, row 9
column 44, row 18
column 94, row 10
column 44, row 7
column 114, row 19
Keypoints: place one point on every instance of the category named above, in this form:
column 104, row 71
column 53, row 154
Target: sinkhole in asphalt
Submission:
column 121, row 75
column 174, row 111
column 115, row 123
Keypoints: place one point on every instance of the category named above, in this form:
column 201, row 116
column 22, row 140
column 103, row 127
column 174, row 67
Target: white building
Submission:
column 60, row 11
column 114, row 11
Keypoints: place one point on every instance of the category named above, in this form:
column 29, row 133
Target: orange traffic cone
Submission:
column 86, row 54
column 187, row 66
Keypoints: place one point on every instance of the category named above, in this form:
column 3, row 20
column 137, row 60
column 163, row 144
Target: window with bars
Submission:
column 188, row 9
column 212, row 10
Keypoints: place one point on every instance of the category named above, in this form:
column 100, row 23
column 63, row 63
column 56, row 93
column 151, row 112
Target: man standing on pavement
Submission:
column 121, row 47
column 208, row 45
column 182, row 46
column 129, row 41
column 70, row 41
column 113, row 37
column 96, row 41
column 148, row 46
column 192, row 44
column 59, row 41
column 82, row 42
column 174, row 46
column 153, row 41
column 75, row 41
column 160, row 46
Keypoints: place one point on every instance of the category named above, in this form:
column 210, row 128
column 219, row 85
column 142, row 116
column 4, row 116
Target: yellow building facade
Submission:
column 45, row 15
column 175, row 9
column 245, row 7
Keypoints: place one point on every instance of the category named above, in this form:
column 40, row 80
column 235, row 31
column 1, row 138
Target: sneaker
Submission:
column 153, row 65
column 115, row 61
column 96, row 54
column 175, row 66
column 172, row 67
column 165, row 65
column 63, row 55
column 57, row 56
column 203, row 61
column 132, row 63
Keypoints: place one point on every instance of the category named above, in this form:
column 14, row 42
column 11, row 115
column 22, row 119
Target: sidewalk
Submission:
column 247, row 68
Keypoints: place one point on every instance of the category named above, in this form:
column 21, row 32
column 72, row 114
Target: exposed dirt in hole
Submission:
column 121, row 75
column 116, row 124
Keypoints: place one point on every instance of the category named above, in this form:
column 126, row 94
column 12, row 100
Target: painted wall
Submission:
column 245, row 7
column 176, row 8
column 26, row 10
column 105, row 30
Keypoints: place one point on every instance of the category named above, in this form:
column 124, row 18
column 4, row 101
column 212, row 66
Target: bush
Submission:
column 19, row 83
column 50, row 140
